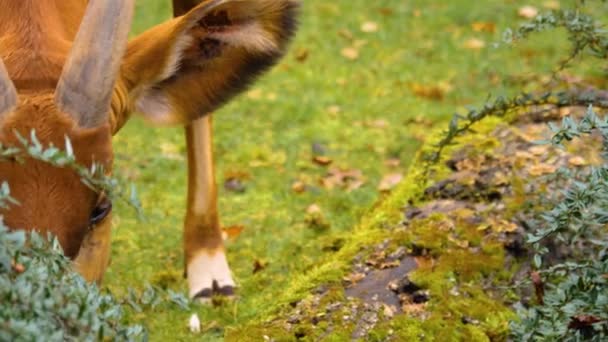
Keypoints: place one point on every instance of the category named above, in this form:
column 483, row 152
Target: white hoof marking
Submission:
column 208, row 273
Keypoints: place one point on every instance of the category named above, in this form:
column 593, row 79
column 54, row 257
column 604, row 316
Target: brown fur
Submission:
column 176, row 72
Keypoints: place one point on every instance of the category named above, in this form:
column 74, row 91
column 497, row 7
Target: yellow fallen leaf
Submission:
column 369, row 27
column 474, row 44
column 350, row 53
column 577, row 161
column 541, row 169
column 527, row 12
column 482, row 26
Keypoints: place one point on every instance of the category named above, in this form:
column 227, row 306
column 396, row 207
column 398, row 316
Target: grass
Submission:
column 410, row 75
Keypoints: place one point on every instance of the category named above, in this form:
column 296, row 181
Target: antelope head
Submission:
column 172, row 74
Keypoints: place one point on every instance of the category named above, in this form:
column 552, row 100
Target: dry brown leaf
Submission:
column 258, row 266
column 298, row 187
column 431, row 92
column 302, row 55
column 541, row 169
column 313, row 209
column 315, row 218
column 350, row 53
column 232, row 232
column 577, row 161
column 502, row 226
column 354, row 278
column 539, row 150
column 483, row 26
column 389, row 311
column 389, row 264
column 527, row 12
column 345, row 179
column 458, row 242
column 322, row 160
column 346, row 34
column 369, row 27
column 390, row 181
column 474, row 44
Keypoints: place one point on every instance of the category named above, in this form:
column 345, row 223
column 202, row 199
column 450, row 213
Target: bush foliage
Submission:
column 572, row 294
column 42, row 299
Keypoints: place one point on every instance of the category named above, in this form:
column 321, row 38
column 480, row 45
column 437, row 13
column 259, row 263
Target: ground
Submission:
column 305, row 156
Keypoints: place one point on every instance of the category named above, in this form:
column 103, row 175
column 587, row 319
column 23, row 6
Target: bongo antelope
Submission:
column 67, row 69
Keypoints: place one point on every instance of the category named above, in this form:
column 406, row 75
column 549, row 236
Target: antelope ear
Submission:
column 187, row 67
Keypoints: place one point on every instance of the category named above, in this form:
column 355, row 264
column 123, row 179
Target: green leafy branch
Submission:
column 94, row 177
column 503, row 106
column 585, row 33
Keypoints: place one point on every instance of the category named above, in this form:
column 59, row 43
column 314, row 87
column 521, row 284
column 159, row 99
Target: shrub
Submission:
column 42, row 299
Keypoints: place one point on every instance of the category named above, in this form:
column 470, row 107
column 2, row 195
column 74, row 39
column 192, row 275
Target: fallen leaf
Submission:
column 539, row 150
column 347, row 179
column 344, row 33
column 390, row 181
column 322, row 160
column 350, row 53
column 313, row 209
column 474, row 44
column 389, row 264
column 458, row 242
column 541, row 169
column 502, row 226
column 258, row 266
column 232, row 232
column 302, row 55
column 315, row 219
column 577, row 161
column 298, row 187
column 483, row 27
column 527, row 12
column 354, row 278
column 431, row 92
column 389, row 311
column 369, row 27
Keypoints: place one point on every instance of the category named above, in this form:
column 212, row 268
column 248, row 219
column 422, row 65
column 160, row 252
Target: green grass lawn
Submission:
column 424, row 61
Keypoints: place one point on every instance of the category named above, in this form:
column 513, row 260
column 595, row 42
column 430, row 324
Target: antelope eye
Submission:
column 101, row 210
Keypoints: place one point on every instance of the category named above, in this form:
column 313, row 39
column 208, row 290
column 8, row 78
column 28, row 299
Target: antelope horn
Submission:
column 8, row 94
column 85, row 88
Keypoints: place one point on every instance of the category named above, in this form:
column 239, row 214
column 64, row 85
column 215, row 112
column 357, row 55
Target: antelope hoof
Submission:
column 209, row 276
